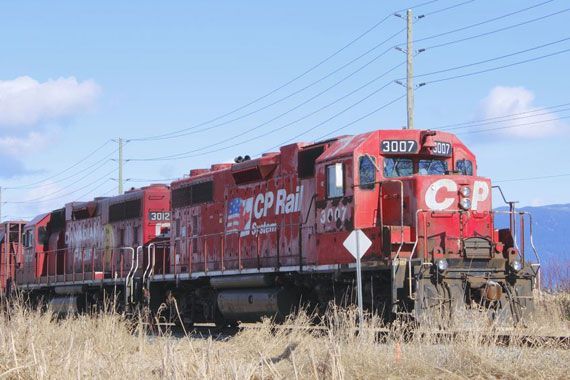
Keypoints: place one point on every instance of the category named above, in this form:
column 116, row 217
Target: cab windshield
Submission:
column 404, row 167
column 432, row 167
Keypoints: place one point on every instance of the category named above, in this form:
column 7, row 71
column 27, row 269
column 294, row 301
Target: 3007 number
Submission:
column 399, row 146
column 442, row 148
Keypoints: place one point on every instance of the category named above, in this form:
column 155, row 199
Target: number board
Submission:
column 441, row 149
column 399, row 146
column 159, row 216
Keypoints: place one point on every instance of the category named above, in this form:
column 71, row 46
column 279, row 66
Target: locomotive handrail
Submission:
column 122, row 261
column 514, row 236
column 152, row 263
column 512, row 225
column 512, row 209
column 79, row 269
column 531, row 235
column 535, row 251
column 132, row 250
column 309, row 210
column 147, row 270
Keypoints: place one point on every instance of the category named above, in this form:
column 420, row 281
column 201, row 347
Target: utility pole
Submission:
column 120, row 166
column 410, row 71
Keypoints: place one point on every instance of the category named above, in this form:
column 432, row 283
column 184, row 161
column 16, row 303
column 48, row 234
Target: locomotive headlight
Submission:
column 465, row 191
column 465, row 203
column 442, row 264
column 516, row 265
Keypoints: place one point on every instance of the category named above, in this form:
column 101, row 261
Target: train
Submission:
column 263, row 237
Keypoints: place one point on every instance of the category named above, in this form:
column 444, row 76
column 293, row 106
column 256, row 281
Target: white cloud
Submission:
column 504, row 101
column 17, row 145
column 25, row 102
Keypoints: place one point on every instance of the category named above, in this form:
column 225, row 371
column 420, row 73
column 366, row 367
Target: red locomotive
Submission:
column 11, row 253
column 261, row 236
column 87, row 243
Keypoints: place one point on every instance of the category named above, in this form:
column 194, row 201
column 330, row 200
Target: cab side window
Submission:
column 29, row 239
column 367, row 172
column 335, row 180
column 464, row 167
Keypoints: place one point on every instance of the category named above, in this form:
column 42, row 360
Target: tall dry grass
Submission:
column 35, row 345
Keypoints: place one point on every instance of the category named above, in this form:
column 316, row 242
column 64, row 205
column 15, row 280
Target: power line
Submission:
column 500, row 67
column 273, row 130
column 87, row 174
column 33, row 184
column 292, row 94
column 491, row 59
column 192, row 130
column 533, row 178
column 501, row 121
column 446, row 79
column 104, row 160
column 448, row 126
column 496, row 30
column 188, row 154
column 345, row 125
column 43, row 199
column 177, row 133
column 447, row 8
column 95, row 188
column 506, row 118
column 516, row 125
column 481, row 22
column 184, row 154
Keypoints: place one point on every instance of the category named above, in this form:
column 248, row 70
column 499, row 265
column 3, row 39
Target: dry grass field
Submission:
column 35, row 345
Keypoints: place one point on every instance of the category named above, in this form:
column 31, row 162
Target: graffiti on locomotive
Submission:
column 83, row 236
column 248, row 215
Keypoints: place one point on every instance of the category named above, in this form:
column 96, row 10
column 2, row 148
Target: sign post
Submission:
column 357, row 243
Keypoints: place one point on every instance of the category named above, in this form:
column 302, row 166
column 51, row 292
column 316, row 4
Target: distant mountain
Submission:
column 551, row 233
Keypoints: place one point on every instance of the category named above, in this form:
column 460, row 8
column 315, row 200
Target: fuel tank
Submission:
column 243, row 281
column 250, row 305
column 63, row 305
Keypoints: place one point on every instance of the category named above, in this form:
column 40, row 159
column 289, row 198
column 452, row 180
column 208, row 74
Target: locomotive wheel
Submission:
column 435, row 305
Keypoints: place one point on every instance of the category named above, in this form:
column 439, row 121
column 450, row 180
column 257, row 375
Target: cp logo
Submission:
column 443, row 193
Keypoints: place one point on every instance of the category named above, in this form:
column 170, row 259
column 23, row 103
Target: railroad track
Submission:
column 385, row 335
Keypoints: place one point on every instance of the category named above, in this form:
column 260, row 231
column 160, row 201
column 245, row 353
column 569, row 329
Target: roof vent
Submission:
column 239, row 159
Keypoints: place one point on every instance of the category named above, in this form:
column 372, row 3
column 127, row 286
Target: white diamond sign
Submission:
column 357, row 243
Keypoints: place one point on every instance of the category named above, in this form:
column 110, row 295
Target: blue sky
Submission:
column 75, row 74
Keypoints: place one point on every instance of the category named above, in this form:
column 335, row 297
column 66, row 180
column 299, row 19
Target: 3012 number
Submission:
column 154, row 216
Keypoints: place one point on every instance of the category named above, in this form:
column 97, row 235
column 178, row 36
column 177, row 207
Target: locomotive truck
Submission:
column 263, row 236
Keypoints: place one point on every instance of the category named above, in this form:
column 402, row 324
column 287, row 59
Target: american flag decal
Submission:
column 239, row 215
column 234, row 219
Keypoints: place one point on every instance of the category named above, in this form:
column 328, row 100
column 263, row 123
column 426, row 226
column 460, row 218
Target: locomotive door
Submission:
column 307, row 223
column 334, row 211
